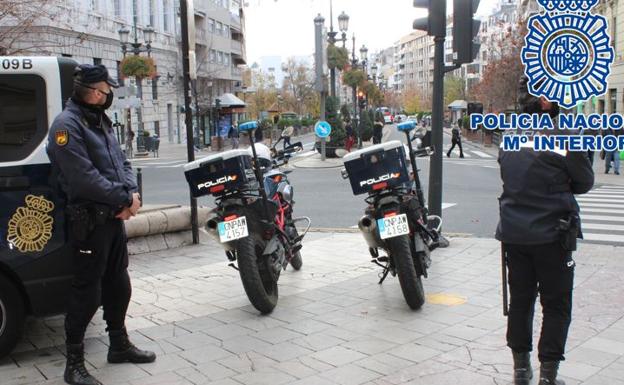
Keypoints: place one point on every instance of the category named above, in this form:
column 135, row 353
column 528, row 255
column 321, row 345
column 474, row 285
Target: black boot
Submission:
column 522, row 368
column 548, row 374
column 122, row 350
column 75, row 371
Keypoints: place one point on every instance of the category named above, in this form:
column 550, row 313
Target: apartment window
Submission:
column 220, row 57
column 613, row 100
column 117, row 7
column 166, row 15
column 93, row 5
column 152, row 13
column 211, row 25
column 226, row 59
column 97, row 61
column 213, row 55
column 219, row 28
column 226, row 30
column 155, row 86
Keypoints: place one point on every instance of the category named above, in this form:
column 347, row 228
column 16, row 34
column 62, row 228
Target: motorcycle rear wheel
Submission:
column 258, row 282
column 411, row 283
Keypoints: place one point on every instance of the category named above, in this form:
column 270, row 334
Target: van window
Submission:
column 23, row 115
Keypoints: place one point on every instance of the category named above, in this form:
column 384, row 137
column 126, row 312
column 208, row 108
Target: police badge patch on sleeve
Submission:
column 61, row 137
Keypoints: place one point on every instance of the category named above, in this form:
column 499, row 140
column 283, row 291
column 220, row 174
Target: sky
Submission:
column 286, row 27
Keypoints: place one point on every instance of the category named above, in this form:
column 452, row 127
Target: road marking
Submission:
column 600, row 226
column 448, row 205
column 481, row 154
column 603, row 200
column 604, row 218
column 603, row 205
column 159, row 163
column 604, row 237
column 585, row 209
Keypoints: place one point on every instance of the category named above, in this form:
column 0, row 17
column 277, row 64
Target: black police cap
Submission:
column 89, row 74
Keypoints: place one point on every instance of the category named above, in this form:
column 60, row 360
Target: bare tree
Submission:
column 23, row 26
column 298, row 84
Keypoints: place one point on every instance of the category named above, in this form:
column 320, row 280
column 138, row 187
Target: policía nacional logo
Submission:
column 567, row 53
column 30, row 227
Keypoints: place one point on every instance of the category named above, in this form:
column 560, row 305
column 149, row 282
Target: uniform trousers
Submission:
column 100, row 278
column 546, row 269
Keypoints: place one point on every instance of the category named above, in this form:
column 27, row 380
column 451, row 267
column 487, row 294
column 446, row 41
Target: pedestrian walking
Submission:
column 350, row 139
column 258, row 135
column 456, row 141
column 286, row 134
column 129, row 141
column 538, row 226
column 101, row 193
column 234, row 136
column 377, row 131
column 612, row 157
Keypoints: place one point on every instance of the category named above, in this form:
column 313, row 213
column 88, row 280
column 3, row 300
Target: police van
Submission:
column 35, row 262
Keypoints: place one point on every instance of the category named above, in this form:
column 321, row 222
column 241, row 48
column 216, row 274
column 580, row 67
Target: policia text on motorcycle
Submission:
column 538, row 227
column 101, row 192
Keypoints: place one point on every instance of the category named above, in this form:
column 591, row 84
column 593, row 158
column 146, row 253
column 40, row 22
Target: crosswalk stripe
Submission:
column 602, row 205
column 481, row 154
column 605, row 211
column 602, row 194
column 604, row 218
column 612, row 187
column 602, row 226
column 619, row 238
column 605, row 200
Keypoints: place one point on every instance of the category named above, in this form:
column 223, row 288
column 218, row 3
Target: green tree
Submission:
column 454, row 89
column 337, row 57
column 338, row 133
column 354, row 78
column 345, row 113
column 366, row 126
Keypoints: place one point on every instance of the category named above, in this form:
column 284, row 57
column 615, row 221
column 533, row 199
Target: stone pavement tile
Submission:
column 445, row 317
column 242, row 344
column 19, row 376
column 441, row 342
column 421, row 373
column 211, row 370
column 314, row 380
column 191, row 340
column 167, row 378
column 295, row 368
column 591, row 357
column 383, row 363
column 26, row 359
column 199, row 323
column 264, row 376
column 605, row 345
column 464, row 332
column 52, row 369
column 119, row 373
column 603, row 380
column 260, row 322
column 196, row 310
column 338, row 356
column 227, row 331
column 163, row 331
column 225, row 381
column 414, row 352
column 277, row 335
column 578, row 370
column 343, row 333
column 350, row 375
column 369, row 345
column 284, row 351
column 169, row 316
column 289, row 315
column 615, row 370
column 318, row 341
column 231, row 316
column 134, row 323
column 246, row 362
column 423, row 326
column 308, row 326
column 166, row 363
column 205, row 354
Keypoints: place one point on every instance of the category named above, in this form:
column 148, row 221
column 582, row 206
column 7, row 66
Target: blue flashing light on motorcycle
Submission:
column 406, row 126
column 248, row 126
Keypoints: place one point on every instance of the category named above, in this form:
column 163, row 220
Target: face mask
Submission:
column 109, row 101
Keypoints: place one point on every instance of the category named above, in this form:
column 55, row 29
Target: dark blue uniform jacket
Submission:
column 90, row 165
column 538, row 190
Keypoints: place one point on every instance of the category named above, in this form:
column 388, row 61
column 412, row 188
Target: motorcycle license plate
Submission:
column 234, row 229
column 393, row 226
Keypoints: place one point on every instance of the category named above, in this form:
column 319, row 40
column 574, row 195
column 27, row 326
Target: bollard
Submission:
column 140, row 184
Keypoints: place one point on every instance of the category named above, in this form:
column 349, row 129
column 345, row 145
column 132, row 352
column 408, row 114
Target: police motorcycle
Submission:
column 396, row 219
column 254, row 221
column 35, row 257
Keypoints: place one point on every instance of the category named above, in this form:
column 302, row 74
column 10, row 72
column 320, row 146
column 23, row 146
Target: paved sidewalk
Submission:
column 333, row 324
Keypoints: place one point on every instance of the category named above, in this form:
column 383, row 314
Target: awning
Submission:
column 230, row 101
column 458, row 105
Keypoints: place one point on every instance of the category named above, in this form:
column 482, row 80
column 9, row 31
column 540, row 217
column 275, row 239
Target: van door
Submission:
column 33, row 250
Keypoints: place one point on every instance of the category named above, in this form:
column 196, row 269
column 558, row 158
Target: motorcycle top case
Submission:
column 220, row 173
column 374, row 165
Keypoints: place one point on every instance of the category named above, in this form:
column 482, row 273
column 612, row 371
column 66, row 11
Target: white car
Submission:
column 400, row 118
column 388, row 118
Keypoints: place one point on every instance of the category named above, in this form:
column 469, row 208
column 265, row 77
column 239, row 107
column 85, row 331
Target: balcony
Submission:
column 236, row 47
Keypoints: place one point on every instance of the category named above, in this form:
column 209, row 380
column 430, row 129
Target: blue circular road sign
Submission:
column 322, row 129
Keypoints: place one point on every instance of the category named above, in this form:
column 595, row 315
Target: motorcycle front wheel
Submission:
column 411, row 283
column 259, row 283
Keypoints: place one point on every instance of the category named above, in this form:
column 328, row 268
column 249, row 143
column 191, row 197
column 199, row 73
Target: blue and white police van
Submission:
column 35, row 263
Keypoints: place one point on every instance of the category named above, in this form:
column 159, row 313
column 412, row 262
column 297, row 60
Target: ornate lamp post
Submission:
column 343, row 25
column 136, row 48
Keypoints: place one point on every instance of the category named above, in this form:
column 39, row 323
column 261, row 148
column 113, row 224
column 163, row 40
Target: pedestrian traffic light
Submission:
column 435, row 23
column 465, row 30
column 361, row 100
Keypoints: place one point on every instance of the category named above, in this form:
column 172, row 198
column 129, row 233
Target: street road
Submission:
column 470, row 205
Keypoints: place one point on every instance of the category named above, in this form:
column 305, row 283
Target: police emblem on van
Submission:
column 212, row 183
column 383, row 178
column 61, row 137
column 30, row 227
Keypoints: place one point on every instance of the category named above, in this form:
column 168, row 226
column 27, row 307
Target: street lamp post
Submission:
column 320, row 76
column 343, row 25
column 136, row 49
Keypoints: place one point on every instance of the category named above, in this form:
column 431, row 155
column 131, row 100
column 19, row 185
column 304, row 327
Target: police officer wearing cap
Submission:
column 538, row 227
column 101, row 192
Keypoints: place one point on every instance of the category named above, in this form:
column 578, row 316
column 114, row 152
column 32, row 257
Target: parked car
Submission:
column 388, row 118
column 400, row 118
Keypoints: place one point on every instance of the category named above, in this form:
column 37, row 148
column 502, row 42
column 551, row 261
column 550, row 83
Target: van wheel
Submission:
column 11, row 316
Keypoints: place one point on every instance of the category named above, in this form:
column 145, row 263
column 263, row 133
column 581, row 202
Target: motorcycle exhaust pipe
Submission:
column 368, row 227
column 212, row 230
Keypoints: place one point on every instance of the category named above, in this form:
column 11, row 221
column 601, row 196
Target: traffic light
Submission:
column 435, row 23
column 361, row 100
column 465, row 29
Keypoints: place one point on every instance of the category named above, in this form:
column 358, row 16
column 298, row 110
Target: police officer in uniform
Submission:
column 101, row 192
column 538, row 227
